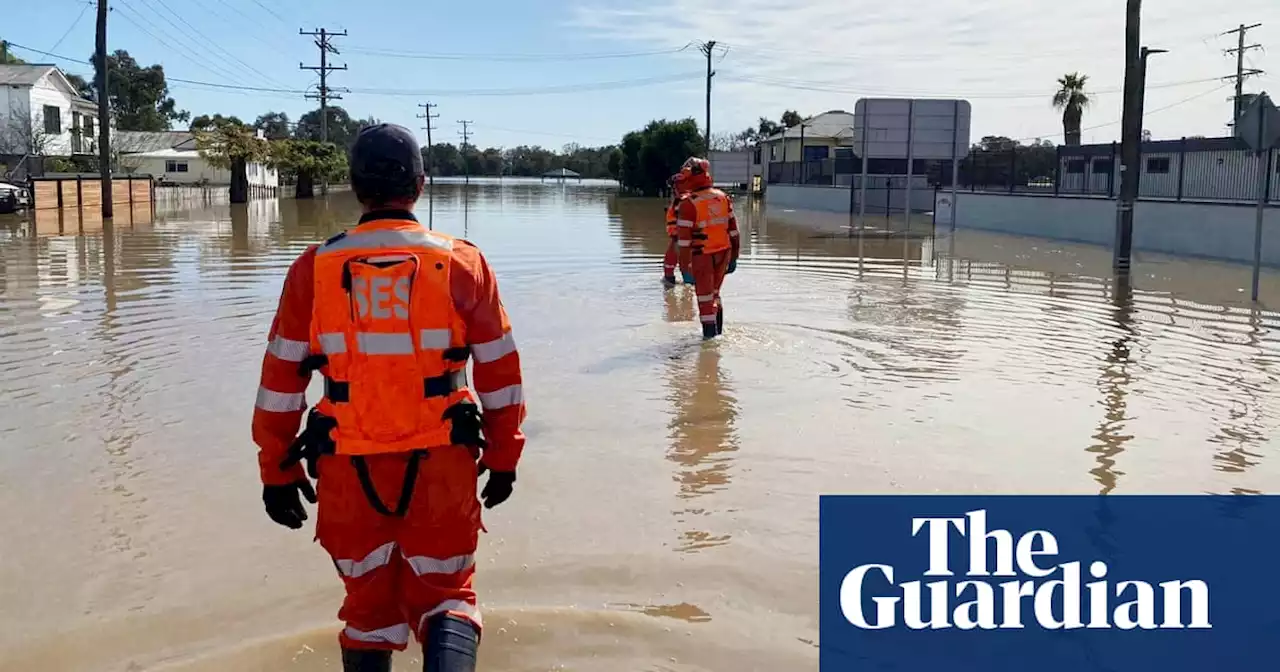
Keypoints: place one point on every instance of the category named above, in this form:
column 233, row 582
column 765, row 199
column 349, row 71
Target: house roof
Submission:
column 1158, row 147
column 23, row 75
column 141, row 142
column 826, row 125
column 560, row 172
column 169, row 153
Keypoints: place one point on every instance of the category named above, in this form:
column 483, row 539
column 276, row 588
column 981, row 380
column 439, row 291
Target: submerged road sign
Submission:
column 895, row 128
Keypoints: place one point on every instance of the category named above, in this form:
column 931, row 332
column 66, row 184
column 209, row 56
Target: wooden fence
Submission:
column 85, row 191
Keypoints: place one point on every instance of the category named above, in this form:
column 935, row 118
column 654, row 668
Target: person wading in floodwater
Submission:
column 669, row 259
column 707, row 239
column 389, row 313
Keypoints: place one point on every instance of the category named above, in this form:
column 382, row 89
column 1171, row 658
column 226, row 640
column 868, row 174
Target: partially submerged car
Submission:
column 13, row 198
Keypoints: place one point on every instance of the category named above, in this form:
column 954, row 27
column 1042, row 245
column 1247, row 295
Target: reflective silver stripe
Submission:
column 703, row 298
column 378, row 557
column 387, row 258
column 459, row 606
column 279, row 402
column 684, row 222
column 392, row 634
column 333, row 343
column 386, row 239
column 422, row 564
column 507, row 396
column 709, row 318
column 495, row 349
column 289, row 350
column 371, row 343
column 685, row 243
column 719, row 221
column 733, row 233
column 434, row 339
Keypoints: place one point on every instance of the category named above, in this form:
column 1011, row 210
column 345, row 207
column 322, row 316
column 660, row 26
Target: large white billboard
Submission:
column 898, row 128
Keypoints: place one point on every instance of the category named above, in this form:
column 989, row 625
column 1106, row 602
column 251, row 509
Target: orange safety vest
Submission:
column 671, row 218
column 711, row 229
column 383, row 316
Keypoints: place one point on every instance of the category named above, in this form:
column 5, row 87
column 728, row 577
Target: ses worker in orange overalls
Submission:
column 390, row 313
column 707, row 239
column 669, row 260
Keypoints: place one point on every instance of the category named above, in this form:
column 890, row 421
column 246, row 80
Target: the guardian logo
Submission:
column 1037, row 588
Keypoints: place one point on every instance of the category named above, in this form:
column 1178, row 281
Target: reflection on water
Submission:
column 670, row 486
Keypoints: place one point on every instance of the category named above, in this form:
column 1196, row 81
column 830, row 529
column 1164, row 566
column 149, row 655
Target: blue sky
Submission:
column 809, row 55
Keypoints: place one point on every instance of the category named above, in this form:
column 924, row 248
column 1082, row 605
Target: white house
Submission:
column 182, row 164
column 42, row 114
column 821, row 134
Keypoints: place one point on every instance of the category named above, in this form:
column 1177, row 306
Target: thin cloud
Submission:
column 989, row 51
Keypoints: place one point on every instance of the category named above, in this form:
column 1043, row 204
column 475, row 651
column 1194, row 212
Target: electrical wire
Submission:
column 71, row 27
column 270, row 11
column 827, row 87
column 213, row 43
column 546, row 133
column 531, row 91
column 121, row 5
column 388, row 53
column 1145, row 114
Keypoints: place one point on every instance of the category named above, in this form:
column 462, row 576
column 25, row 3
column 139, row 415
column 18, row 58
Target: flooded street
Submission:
column 666, row 514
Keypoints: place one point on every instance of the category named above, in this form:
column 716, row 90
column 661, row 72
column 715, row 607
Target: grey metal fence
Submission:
column 1189, row 169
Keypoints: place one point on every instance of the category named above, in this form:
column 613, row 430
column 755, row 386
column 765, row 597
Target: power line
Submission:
column 72, row 26
column 466, row 140
column 388, row 53
column 270, row 11
column 244, row 66
column 325, row 93
column 426, row 108
column 827, row 87
column 121, row 6
column 1146, row 113
column 565, row 88
column 1241, row 73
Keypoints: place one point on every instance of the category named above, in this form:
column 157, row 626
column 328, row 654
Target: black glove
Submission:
column 283, row 504
column 498, row 488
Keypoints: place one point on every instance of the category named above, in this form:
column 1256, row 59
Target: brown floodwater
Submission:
column 666, row 516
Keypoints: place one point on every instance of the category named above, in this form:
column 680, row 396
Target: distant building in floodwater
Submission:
column 561, row 174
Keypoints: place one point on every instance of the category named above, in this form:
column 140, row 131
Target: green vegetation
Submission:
column 139, row 96
column 342, row 127
column 1072, row 99
column 651, row 155
column 228, row 143
column 446, row 160
column 308, row 161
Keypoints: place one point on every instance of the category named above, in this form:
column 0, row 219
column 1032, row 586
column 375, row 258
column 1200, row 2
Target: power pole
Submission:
column 1130, row 135
column 1238, row 105
column 104, row 114
column 426, row 107
column 466, row 139
column 707, row 48
column 326, row 94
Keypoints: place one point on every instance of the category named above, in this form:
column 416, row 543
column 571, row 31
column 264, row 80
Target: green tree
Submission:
column 205, row 122
column 342, row 128
column 615, row 163
column 768, row 127
column 445, row 160
column 228, row 143
column 653, row 154
column 84, row 88
column 1072, row 99
column 309, row 160
column 139, row 96
column 791, row 118
column 7, row 58
column 275, row 125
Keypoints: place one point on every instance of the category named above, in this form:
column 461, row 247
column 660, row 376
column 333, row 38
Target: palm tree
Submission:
column 1072, row 99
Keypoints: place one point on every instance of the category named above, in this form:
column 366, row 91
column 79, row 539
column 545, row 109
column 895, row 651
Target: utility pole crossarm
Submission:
column 325, row 92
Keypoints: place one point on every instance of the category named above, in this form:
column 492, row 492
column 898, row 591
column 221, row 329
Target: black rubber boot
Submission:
column 668, row 281
column 719, row 320
column 449, row 645
column 361, row 660
column 708, row 331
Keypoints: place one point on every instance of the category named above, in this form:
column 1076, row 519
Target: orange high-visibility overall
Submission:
column 709, row 241
column 669, row 259
column 396, row 311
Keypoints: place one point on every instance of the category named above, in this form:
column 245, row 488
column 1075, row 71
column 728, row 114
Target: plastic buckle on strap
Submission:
column 337, row 391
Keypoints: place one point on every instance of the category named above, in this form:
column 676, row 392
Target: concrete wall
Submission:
column 837, row 199
column 1194, row 229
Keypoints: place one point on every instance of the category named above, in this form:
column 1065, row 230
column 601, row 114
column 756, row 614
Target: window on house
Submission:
column 1158, row 165
column 175, row 166
column 773, row 152
column 1103, row 166
column 52, row 120
column 1075, row 167
column 88, row 126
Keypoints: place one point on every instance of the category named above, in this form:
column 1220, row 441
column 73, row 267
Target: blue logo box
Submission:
column 1049, row 583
